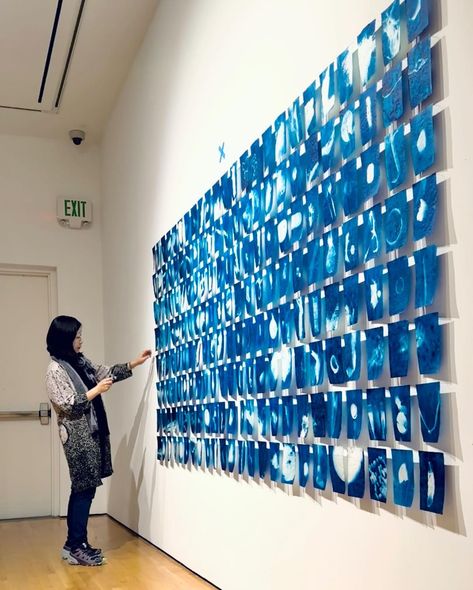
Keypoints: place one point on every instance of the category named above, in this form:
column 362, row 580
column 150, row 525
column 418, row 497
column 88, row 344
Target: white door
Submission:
column 28, row 453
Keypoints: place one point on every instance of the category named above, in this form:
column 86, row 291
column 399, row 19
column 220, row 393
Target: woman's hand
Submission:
column 144, row 356
column 101, row 387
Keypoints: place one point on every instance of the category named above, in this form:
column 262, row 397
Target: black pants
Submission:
column 77, row 516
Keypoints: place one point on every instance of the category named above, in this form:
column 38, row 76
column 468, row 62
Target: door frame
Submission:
column 50, row 273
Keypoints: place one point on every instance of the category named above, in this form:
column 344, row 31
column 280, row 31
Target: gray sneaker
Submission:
column 66, row 551
column 83, row 556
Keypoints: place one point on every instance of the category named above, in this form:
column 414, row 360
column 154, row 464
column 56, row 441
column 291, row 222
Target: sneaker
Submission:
column 66, row 551
column 83, row 556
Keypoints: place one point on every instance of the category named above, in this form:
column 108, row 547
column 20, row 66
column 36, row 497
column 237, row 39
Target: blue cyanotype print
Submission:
column 403, row 477
column 329, row 200
column 231, row 455
column 376, row 412
column 301, row 354
column 313, row 261
column 432, row 481
column 429, row 343
column 368, row 115
column 352, row 355
column 328, row 144
column 303, row 416
column 330, row 253
column 350, row 243
column 280, row 138
column 396, row 221
column 367, row 53
column 374, row 292
column 422, row 141
column 269, row 146
column 309, row 102
column 250, row 457
column 419, row 72
column 241, row 456
column 333, row 306
column 372, row 227
column 355, row 472
column 298, row 221
column 336, row 460
column 395, row 158
column 428, row 396
column 297, row 178
column 299, row 278
column 274, row 415
column 315, row 366
column 320, row 466
column 274, row 461
column 369, row 174
column 319, row 414
column 287, row 414
column 377, row 473
column 401, row 411
column 334, row 360
column 263, row 417
column 263, row 459
column 399, row 280
column 286, row 323
column 348, row 190
column 327, row 91
column 231, row 425
column 351, row 299
column 345, row 75
column 391, row 94
column 375, row 349
column 347, row 132
column 391, row 31
column 426, row 271
column 334, row 413
column 425, row 206
column 288, row 463
column 311, row 159
column 417, row 12
column 314, row 301
column 296, row 130
column 354, row 413
column 304, row 464
column 398, row 338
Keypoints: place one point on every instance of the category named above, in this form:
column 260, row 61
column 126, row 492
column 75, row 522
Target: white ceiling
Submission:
column 108, row 36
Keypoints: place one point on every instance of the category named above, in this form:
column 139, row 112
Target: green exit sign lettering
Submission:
column 74, row 213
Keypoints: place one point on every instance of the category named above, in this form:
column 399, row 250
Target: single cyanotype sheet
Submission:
column 334, row 414
column 355, row 472
column 401, row 411
column 374, row 292
column 377, row 473
column 422, row 141
column 432, row 481
column 320, row 466
column 419, row 72
column 395, row 158
column 429, row 343
column 375, row 348
column 428, row 396
column 354, row 413
column 426, row 271
column 376, row 412
column 351, row 299
column 396, row 221
column 399, row 280
column 372, row 238
column 288, row 463
column 391, row 31
column 350, row 243
column 367, row 53
column 304, row 464
column 417, row 12
column 391, row 94
column 403, row 477
column 345, row 76
column 336, row 460
column 398, row 338
column 319, row 414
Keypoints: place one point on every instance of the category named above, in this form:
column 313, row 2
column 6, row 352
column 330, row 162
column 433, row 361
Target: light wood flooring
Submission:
column 30, row 559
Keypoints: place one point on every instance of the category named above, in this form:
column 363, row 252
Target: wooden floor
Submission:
column 30, row 558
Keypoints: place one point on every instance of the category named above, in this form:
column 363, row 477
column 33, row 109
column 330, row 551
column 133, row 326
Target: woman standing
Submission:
column 75, row 386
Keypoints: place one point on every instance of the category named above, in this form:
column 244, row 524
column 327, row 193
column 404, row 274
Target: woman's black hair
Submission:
column 61, row 334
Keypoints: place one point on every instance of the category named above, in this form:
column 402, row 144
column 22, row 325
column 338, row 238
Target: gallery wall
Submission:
column 34, row 172
column 210, row 73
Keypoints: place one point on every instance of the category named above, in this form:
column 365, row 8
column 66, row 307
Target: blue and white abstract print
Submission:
column 378, row 474
column 391, row 93
column 432, row 481
column 354, row 413
column 345, row 76
column 376, row 412
column 398, row 339
column 417, row 12
column 419, row 72
column 429, row 343
column 401, row 411
column 367, row 53
column 395, row 158
column 399, row 280
column 327, row 91
column 368, row 115
column 428, row 396
column 425, row 206
column 391, row 31
column 422, row 141
column 347, row 132
column 403, row 477
column 374, row 292
column 426, row 271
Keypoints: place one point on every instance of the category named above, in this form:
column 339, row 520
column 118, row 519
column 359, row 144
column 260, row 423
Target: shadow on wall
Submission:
column 129, row 466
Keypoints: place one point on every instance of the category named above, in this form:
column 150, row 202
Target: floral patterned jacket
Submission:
column 88, row 461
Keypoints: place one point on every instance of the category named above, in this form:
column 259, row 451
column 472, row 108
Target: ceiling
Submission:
column 64, row 62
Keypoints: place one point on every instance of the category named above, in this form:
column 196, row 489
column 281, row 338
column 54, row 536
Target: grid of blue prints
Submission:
column 293, row 303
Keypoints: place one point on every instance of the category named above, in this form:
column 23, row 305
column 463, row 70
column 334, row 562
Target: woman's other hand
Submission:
column 144, row 356
column 104, row 385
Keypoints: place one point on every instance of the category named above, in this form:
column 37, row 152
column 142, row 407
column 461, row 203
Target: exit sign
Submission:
column 74, row 212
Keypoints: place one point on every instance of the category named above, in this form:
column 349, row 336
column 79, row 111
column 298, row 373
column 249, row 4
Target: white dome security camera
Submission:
column 77, row 136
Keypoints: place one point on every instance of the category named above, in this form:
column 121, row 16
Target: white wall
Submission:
column 33, row 173
column 212, row 71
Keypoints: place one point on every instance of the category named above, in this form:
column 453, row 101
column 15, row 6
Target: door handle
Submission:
column 43, row 414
